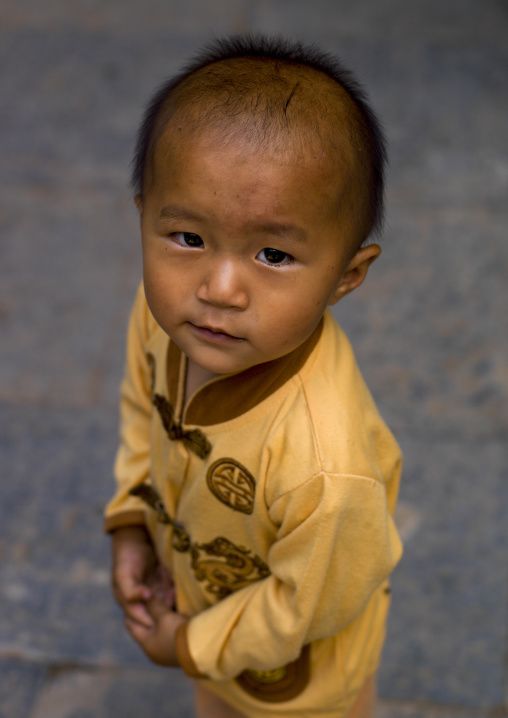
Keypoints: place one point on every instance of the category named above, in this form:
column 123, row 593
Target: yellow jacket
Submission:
column 269, row 494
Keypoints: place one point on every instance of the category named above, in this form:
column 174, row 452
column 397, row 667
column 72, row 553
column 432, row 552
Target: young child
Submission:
column 252, row 524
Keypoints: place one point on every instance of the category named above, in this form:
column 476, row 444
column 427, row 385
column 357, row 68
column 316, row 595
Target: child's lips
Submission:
column 214, row 334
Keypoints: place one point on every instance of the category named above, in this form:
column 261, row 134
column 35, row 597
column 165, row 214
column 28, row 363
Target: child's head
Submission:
column 259, row 176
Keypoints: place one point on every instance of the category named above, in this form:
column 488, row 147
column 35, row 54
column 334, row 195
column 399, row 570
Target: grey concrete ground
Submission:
column 430, row 328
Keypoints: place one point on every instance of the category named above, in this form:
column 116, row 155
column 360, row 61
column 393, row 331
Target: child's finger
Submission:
column 127, row 589
column 137, row 613
column 137, row 592
column 138, row 631
column 157, row 607
column 162, row 586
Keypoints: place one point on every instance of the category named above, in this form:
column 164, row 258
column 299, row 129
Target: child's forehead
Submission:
column 291, row 149
column 238, row 153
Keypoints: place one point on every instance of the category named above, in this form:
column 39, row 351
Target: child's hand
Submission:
column 158, row 642
column 162, row 587
column 145, row 591
column 134, row 569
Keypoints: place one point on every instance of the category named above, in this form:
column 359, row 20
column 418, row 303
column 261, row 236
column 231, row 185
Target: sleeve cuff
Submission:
column 183, row 653
column 125, row 518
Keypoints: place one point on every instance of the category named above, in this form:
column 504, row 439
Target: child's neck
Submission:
column 196, row 376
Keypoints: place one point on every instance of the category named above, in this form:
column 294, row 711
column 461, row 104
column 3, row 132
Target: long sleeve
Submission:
column 336, row 544
column 132, row 464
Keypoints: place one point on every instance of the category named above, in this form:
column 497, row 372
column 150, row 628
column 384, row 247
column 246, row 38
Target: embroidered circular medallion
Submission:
column 232, row 484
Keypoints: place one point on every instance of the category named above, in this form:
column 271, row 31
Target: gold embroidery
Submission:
column 232, row 569
column 280, row 684
column 151, row 366
column 277, row 674
column 149, row 495
column 232, row 484
column 181, row 539
column 194, row 439
column 225, row 567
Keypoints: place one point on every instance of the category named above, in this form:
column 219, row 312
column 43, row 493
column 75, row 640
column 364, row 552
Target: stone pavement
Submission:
column 430, row 327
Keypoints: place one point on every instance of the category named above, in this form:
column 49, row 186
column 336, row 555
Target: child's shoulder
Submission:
column 333, row 415
column 332, row 382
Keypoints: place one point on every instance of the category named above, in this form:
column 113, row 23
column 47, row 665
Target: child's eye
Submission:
column 188, row 239
column 274, row 256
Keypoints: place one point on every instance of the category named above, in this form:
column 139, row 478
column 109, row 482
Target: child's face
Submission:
column 243, row 251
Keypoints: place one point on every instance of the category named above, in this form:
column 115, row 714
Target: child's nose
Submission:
column 223, row 285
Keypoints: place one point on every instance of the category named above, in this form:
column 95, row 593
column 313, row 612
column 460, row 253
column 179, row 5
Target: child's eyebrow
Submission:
column 288, row 231
column 172, row 211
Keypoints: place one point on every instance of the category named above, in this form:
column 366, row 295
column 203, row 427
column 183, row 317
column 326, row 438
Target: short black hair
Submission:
column 368, row 132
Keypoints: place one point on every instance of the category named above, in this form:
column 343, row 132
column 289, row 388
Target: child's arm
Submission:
column 142, row 587
column 336, row 545
column 132, row 464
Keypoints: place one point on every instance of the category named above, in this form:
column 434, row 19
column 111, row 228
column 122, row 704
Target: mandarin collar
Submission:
column 229, row 396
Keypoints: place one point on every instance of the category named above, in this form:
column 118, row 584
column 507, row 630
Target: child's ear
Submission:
column 138, row 201
column 355, row 272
